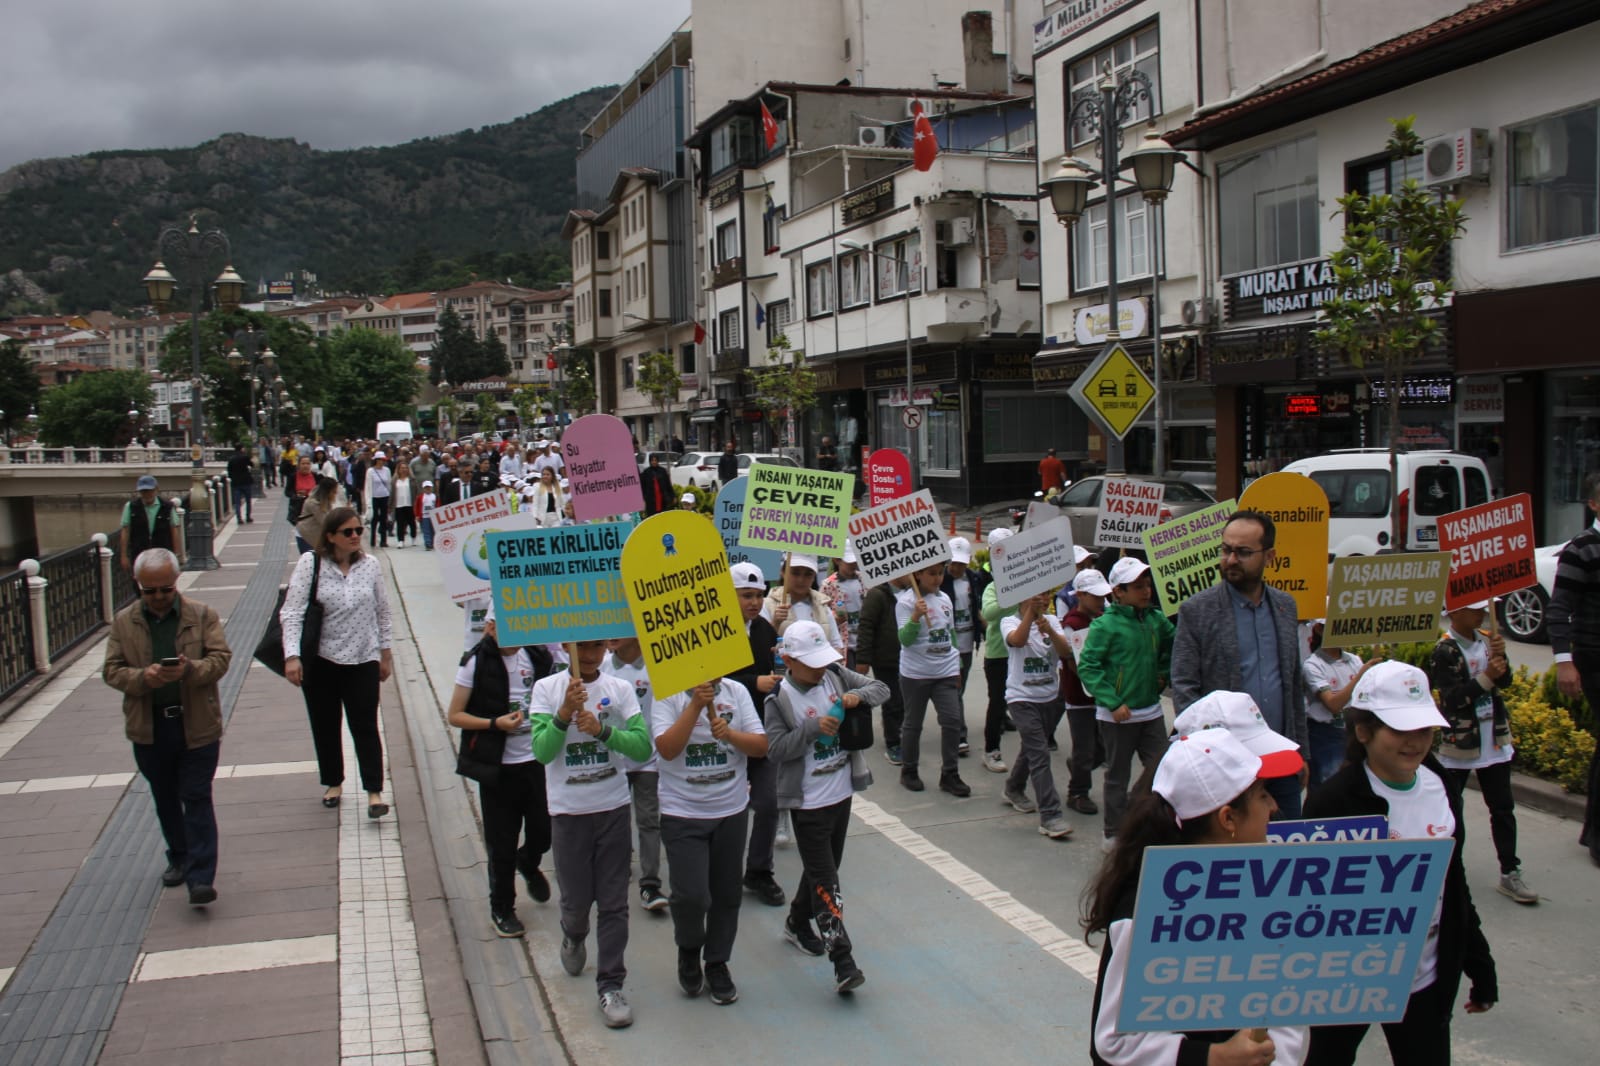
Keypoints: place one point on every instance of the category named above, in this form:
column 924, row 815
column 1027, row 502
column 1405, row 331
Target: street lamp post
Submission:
column 905, row 301
column 1104, row 113
column 193, row 256
column 253, row 353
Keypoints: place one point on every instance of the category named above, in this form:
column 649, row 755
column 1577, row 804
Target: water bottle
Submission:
column 778, row 666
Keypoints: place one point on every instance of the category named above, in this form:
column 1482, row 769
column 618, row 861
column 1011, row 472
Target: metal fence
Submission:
column 72, row 599
column 16, row 638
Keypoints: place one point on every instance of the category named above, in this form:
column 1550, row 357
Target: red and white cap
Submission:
column 1204, row 772
column 1238, row 714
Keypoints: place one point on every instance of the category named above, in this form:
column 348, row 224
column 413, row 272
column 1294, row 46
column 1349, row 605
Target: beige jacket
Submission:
column 311, row 518
column 200, row 638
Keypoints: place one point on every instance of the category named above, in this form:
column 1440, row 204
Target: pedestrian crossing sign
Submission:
column 1114, row 390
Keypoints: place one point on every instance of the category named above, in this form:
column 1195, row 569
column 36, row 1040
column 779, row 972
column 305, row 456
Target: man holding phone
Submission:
column 166, row 655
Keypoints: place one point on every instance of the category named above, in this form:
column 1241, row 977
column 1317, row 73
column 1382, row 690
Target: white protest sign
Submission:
column 1127, row 509
column 458, row 539
column 898, row 537
column 1039, row 512
column 1034, row 561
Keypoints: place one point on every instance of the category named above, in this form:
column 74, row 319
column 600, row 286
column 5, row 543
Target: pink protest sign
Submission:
column 888, row 475
column 602, row 472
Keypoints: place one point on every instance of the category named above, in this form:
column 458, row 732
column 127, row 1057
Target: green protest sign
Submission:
column 1391, row 598
column 1182, row 553
column 792, row 509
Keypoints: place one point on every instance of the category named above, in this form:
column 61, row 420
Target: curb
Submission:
column 1541, row 795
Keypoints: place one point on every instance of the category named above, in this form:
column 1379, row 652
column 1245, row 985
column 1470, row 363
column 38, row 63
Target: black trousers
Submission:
column 763, row 809
column 1087, row 752
column 1588, row 664
column 1495, row 784
column 819, row 838
column 335, row 690
column 405, row 524
column 705, row 857
column 894, row 708
column 513, row 803
column 994, row 717
column 180, row 783
column 380, row 521
column 1421, row 1038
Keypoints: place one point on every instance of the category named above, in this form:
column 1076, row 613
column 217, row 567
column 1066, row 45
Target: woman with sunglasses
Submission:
column 352, row 658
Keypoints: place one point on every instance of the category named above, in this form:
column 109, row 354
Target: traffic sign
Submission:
column 911, row 417
column 1114, row 391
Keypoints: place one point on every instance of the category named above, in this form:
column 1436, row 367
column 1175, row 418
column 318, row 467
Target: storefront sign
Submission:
column 723, row 191
column 891, row 370
column 1038, row 559
column 1127, row 509
column 866, row 202
column 898, row 537
column 1003, row 366
column 684, row 607
column 1299, row 511
column 1386, row 599
column 947, row 398
column 1251, row 356
column 1287, row 290
column 888, row 475
column 1338, row 403
column 558, row 585
column 602, row 472
column 1092, row 324
column 1259, row 935
column 1491, row 550
column 728, row 514
column 1071, row 19
column 1418, row 392
column 792, row 509
column 1183, row 553
column 1302, row 405
column 1481, row 400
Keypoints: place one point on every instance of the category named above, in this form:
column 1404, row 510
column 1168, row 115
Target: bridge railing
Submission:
column 35, row 455
column 16, row 641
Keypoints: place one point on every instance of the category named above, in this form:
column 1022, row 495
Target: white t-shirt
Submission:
column 1421, row 812
column 477, row 611
column 932, row 655
column 961, row 602
column 849, row 601
column 1319, row 674
column 825, row 779
column 519, row 672
column 1032, row 670
column 709, row 778
column 586, row 777
column 1477, row 653
column 635, row 675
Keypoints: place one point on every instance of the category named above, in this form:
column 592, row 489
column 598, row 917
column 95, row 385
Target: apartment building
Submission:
column 136, row 343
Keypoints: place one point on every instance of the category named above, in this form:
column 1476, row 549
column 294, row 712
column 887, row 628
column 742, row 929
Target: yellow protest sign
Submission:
column 685, row 610
column 1299, row 511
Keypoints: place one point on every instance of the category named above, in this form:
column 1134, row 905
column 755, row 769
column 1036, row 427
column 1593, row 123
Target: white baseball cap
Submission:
column 849, row 555
column 1398, row 694
column 804, row 641
column 687, row 497
column 747, row 576
column 1000, row 533
column 1238, row 714
column 1081, row 555
column 427, row 484
column 803, row 562
column 960, row 550
column 1480, row 605
column 1091, row 581
column 379, row 455
column 1204, row 772
column 1126, row 572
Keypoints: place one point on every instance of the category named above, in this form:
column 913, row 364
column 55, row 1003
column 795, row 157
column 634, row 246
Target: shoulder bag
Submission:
column 270, row 651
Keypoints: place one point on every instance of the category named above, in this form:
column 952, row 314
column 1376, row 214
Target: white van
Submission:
column 392, row 433
column 1432, row 484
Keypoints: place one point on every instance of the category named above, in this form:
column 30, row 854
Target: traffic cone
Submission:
column 977, row 533
column 952, row 523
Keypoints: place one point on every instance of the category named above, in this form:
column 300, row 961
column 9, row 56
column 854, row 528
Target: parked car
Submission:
column 700, row 468
column 1523, row 613
column 668, row 459
column 1081, row 503
column 1432, row 484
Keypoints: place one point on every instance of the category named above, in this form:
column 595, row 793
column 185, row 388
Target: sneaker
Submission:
column 1512, row 885
column 200, row 895
column 802, row 936
column 963, row 749
column 847, row 976
column 1107, row 844
column 507, row 924
column 784, row 838
column 1055, row 828
column 690, row 977
column 1082, row 804
column 573, row 956
column 652, row 899
column 538, row 884
column 1020, row 802
column 766, row 888
column 892, row 753
column 614, row 1008
column 720, row 981
column 910, row 781
column 994, row 762
column 174, row 874
column 953, row 784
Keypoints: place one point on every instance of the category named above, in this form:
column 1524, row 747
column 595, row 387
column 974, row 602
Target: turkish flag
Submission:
column 699, row 333
column 924, row 145
column 769, row 127
column 550, row 362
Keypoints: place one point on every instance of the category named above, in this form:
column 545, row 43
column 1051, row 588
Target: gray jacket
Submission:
column 789, row 740
column 1205, row 653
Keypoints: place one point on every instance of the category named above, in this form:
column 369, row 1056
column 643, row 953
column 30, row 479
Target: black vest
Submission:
column 140, row 535
column 482, row 749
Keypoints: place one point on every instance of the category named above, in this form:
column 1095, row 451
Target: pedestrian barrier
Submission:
column 136, row 453
column 16, row 640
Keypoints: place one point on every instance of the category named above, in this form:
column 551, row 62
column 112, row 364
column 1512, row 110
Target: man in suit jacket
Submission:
column 1242, row 636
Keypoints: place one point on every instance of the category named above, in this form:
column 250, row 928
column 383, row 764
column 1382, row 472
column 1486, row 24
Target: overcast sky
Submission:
column 82, row 75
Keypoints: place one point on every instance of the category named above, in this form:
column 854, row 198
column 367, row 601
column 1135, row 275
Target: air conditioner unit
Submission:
column 870, row 136
column 913, row 104
column 957, row 231
column 1198, row 312
column 1455, row 158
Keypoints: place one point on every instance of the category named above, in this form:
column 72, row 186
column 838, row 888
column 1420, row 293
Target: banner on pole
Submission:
column 728, row 514
column 602, row 473
column 1127, row 509
column 1491, row 550
column 1034, row 561
column 459, row 530
column 898, row 537
column 888, row 475
column 1182, row 553
column 558, row 585
column 1299, row 511
column 792, row 509
column 1388, row 598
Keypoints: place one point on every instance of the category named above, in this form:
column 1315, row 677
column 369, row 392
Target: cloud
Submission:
column 86, row 75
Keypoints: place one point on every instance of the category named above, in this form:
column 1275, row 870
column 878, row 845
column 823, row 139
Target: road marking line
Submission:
column 122, row 780
column 1068, row 949
column 5, row 976
column 235, row 958
column 218, row 588
column 267, row 769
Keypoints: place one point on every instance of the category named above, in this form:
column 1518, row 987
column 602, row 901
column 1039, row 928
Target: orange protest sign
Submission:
column 1299, row 510
column 1491, row 550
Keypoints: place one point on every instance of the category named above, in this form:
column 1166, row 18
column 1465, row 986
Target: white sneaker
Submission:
column 785, row 837
column 1107, row 844
column 1512, row 885
column 614, row 1008
column 1056, row 828
column 994, row 762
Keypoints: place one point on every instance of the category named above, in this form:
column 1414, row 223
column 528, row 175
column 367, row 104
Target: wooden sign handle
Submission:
column 1258, row 1035
column 572, row 658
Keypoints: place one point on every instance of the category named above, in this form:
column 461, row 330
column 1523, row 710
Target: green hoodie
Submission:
column 1127, row 657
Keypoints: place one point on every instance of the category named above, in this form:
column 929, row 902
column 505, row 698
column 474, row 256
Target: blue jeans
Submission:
column 1326, row 740
column 243, row 503
column 180, row 783
column 427, row 532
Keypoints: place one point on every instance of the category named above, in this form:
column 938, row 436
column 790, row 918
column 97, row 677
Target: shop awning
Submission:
column 710, row 415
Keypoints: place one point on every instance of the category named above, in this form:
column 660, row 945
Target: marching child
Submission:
column 930, row 670
column 627, row 662
column 1036, row 645
column 845, row 591
column 578, row 723
column 1329, row 676
column 425, row 505
column 759, row 679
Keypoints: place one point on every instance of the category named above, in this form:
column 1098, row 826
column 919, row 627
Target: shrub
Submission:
column 704, row 499
column 1549, row 744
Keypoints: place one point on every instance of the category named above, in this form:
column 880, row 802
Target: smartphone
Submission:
column 171, row 662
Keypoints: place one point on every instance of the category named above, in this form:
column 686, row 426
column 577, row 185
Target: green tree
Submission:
column 300, row 360
column 786, row 385
column 578, row 388
column 448, row 412
column 529, row 401
column 92, row 411
column 487, row 411
column 1389, row 284
column 493, row 361
column 19, row 387
column 456, row 351
column 658, row 378
column 371, row 378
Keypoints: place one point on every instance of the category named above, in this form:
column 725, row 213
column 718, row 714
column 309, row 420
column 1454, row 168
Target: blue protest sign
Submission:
column 561, row 584
column 1329, row 830
column 1255, row 935
column 728, row 513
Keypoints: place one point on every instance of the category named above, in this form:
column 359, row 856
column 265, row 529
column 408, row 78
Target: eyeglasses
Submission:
column 1244, row 555
column 164, row 590
column 350, row 531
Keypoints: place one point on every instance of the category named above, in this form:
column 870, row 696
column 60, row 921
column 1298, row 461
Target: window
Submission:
column 899, row 262
column 1382, row 175
column 779, row 314
column 1139, row 51
column 1019, row 426
column 1083, row 494
column 727, row 241
column 605, row 303
column 686, row 358
column 1028, row 257
column 1554, row 192
column 728, row 330
column 819, row 288
column 1437, row 490
column 1267, row 207
column 853, row 286
column 1089, row 243
column 1355, row 493
column 602, row 244
column 771, row 222
column 733, row 143
column 1477, row 485
column 627, row 373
